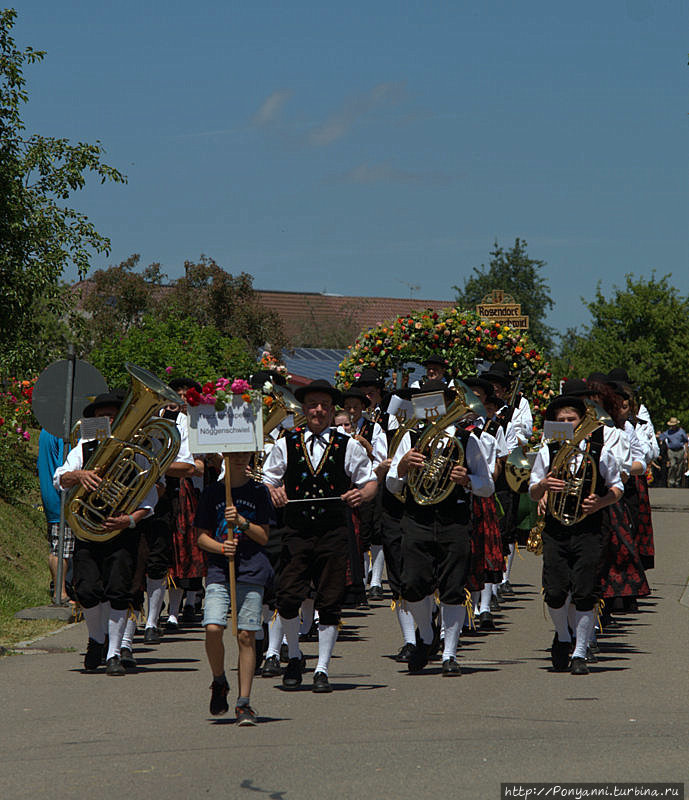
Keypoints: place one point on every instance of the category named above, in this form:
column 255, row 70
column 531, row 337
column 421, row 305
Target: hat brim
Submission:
column 334, row 393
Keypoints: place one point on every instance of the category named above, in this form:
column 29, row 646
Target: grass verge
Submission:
column 24, row 575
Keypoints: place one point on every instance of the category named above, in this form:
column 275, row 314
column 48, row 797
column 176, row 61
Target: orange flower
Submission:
column 246, row 398
column 518, row 349
column 268, row 401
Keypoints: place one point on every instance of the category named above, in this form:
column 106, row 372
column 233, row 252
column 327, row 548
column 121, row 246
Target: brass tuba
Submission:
column 577, row 469
column 431, row 484
column 518, row 470
column 130, row 461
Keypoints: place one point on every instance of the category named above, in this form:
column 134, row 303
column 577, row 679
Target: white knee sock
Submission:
column 94, row 623
column 475, row 602
column 559, row 618
column 406, row 621
column 174, row 601
column 367, row 566
column 128, row 635
column 306, row 616
column 486, row 594
column 116, row 623
column 584, row 627
column 453, row 617
column 421, row 611
column 510, row 559
column 290, row 628
column 274, row 637
column 104, row 615
column 327, row 636
column 155, row 588
column 378, row 559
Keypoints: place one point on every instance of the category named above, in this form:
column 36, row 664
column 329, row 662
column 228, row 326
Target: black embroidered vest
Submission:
column 302, row 480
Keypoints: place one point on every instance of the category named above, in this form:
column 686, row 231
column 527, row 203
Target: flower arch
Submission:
column 460, row 337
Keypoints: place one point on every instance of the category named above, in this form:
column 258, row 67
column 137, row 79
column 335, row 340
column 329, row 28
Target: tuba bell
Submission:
column 431, row 483
column 284, row 403
column 577, row 468
column 126, row 479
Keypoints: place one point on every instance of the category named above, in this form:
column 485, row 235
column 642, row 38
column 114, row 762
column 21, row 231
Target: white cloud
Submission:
column 341, row 121
column 271, row 107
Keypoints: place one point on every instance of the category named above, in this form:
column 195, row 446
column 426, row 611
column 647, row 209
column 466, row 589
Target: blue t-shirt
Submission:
column 675, row 439
column 50, row 457
column 253, row 503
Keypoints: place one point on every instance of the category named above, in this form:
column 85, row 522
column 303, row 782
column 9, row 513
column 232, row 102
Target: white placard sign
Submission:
column 558, row 431
column 238, row 428
column 94, row 428
column 398, row 407
column 428, row 406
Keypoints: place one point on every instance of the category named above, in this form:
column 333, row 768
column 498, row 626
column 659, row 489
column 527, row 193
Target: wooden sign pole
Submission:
column 233, row 578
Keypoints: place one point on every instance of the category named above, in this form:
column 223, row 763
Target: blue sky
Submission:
column 370, row 148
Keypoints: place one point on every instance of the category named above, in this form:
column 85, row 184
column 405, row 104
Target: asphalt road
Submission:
column 382, row 733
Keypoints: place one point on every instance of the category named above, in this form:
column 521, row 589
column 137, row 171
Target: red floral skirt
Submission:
column 189, row 561
column 622, row 573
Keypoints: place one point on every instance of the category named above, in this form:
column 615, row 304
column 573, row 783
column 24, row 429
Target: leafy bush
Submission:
column 173, row 348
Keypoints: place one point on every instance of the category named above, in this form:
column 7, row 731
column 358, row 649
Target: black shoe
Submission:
column 114, row 667
column 127, row 658
column 591, row 657
column 485, row 621
column 321, row 684
column 376, row 593
column 405, row 651
column 188, row 614
column 271, row 668
column 579, row 666
column 506, row 589
column 494, row 605
column 559, row 654
column 418, row 657
column 284, row 653
column 219, row 690
column 594, row 647
column 245, row 716
column 152, row 636
column 451, row 668
column 292, row 677
column 171, row 627
column 94, row 655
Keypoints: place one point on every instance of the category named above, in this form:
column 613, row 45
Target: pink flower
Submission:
column 168, row 370
column 240, row 386
column 222, row 383
column 26, row 435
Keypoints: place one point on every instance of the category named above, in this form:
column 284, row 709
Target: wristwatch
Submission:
column 244, row 527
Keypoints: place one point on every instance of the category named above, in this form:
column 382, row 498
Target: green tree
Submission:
column 173, row 348
column 517, row 275
column 39, row 235
column 643, row 327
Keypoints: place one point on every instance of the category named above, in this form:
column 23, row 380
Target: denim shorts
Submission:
column 249, row 602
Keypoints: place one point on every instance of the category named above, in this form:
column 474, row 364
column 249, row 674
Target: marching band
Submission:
column 430, row 484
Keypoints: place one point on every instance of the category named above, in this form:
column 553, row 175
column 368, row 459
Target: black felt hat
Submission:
column 479, row 383
column 575, row 387
column 564, row 401
column 619, row 374
column 499, row 372
column 184, row 383
column 355, row 392
column 266, row 375
column 102, row 400
column 319, row 386
column 442, row 362
column 369, row 377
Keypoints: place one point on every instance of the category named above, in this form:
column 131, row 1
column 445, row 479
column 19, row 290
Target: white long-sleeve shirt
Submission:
column 357, row 464
column 379, row 441
column 474, row 460
column 607, row 465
